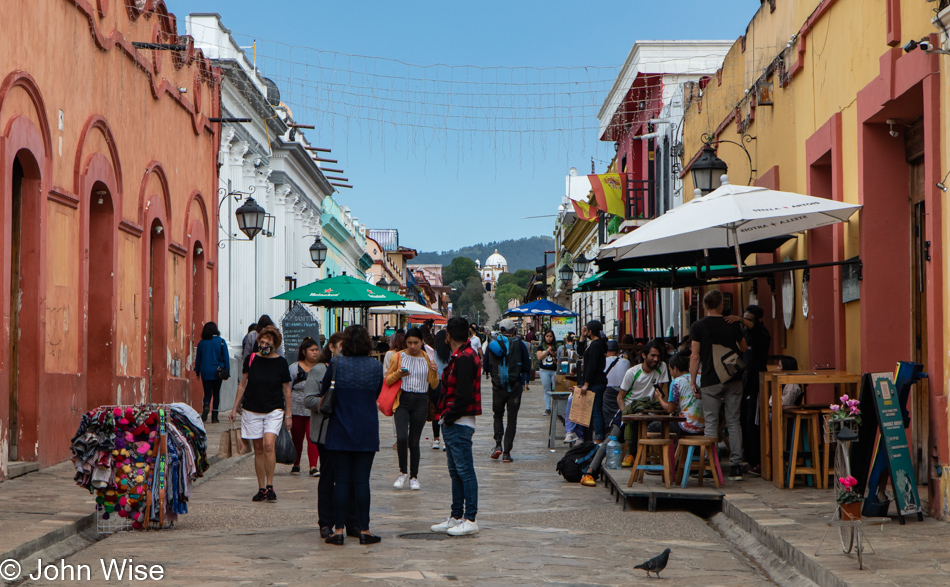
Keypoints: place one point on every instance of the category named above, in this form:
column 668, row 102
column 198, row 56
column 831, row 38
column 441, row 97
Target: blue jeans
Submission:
column 547, row 384
column 598, row 415
column 458, row 449
column 572, row 426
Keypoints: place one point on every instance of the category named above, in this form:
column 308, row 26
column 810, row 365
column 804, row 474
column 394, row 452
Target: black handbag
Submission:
column 222, row 374
column 328, row 399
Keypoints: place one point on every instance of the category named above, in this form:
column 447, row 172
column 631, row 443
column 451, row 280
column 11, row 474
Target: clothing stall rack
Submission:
column 121, row 454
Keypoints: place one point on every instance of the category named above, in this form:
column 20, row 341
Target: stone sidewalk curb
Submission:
column 65, row 531
column 805, row 564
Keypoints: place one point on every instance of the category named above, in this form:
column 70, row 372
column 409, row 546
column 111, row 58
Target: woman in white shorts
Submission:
column 265, row 393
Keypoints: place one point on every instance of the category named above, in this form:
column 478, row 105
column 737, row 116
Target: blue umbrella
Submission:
column 540, row 308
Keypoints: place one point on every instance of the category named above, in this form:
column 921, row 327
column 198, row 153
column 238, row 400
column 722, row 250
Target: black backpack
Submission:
column 572, row 465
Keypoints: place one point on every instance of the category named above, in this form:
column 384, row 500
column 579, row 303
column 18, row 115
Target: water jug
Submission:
column 612, row 460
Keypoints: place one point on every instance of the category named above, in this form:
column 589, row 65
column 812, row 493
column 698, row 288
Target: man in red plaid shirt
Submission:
column 461, row 401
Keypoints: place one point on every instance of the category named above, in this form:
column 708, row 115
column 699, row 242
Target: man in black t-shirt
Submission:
column 758, row 340
column 710, row 338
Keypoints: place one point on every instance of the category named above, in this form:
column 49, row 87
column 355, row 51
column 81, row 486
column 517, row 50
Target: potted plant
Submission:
column 847, row 414
column 849, row 500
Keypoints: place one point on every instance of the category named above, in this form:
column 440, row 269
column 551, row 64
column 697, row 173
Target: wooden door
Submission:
column 920, row 255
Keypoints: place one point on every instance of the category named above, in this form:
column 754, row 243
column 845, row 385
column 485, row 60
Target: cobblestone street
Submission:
column 535, row 529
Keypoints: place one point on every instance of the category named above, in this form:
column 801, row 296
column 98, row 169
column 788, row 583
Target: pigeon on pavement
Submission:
column 655, row 564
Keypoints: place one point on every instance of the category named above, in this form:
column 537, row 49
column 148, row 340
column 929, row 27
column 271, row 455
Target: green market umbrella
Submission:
column 342, row 291
column 645, row 278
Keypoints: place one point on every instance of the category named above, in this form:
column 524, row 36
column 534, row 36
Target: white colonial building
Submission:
column 494, row 266
column 269, row 160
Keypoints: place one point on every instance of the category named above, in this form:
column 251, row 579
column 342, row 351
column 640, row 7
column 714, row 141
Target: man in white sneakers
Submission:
column 460, row 402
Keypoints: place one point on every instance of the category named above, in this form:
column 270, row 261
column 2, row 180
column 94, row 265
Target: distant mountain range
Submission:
column 522, row 253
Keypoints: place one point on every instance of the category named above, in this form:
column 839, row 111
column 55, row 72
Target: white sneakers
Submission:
column 401, row 482
column 436, row 445
column 570, row 437
column 454, row 527
column 444, row 527
column 463, row 528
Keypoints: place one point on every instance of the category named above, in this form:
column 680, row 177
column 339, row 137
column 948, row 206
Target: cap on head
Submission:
column 507, row 325
column 612, row 346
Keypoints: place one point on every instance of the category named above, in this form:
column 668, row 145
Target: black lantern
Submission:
column 393, row 286
column 581, row 265
column 250, row 218
column 382, row 283
column 318, row 252
column 565, row 273
column 708, row 171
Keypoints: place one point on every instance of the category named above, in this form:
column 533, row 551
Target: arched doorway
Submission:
column 156, row 348
column 197, row 293
column 100, row 345
column 24, row 306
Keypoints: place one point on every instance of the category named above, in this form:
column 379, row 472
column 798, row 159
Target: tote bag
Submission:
column 387, row 397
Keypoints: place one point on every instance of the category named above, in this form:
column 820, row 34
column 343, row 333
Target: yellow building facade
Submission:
column 827, row 102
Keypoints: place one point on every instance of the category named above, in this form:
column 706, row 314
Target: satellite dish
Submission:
column 273, row 94
column 572, row 171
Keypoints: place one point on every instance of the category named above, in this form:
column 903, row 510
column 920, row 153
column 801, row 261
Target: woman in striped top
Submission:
column 416, row 374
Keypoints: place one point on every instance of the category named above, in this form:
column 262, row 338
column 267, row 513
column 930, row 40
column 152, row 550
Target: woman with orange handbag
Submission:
column 416, row 374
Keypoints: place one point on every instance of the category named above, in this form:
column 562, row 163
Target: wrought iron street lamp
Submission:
column 393, row 286
column 383, row 283
column 318, row 252
column 581, row 265
column 250, row 218
column 707, row 171
column 565, row 273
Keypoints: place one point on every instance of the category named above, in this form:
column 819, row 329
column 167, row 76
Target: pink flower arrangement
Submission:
column 847, row 409
column 849, row 495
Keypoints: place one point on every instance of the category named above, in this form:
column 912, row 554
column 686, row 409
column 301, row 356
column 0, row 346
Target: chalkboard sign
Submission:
column 894, row 438
column 297, row 324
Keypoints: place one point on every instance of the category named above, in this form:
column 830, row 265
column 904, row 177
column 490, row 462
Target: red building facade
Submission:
column 108, row 180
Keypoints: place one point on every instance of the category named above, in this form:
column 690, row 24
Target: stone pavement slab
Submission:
column 44, row 507
column 535, row 529
column 792, row 522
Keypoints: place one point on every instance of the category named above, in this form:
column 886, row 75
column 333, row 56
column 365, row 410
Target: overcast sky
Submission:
column 453, row 156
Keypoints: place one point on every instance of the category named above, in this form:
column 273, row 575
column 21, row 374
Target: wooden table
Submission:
column 645, row 419
column 772, row 439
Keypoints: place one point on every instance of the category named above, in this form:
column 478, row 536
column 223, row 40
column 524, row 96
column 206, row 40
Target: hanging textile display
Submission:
column 139, row 462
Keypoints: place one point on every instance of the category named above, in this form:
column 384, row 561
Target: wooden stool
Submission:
column 707, row 455
column 639, row 463
column 799, row 419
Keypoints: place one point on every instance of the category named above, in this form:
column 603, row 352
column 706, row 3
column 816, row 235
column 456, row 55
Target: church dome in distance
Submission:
column 496, row 260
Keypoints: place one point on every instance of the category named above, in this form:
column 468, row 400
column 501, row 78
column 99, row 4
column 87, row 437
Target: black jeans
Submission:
column 351, row 469
column 212, row 389
column 325, row 514
column 410, row 417
column 436, row 430
column 511, row 400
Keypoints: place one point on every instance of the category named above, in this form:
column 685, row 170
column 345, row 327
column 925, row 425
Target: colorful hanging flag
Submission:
column 608, row 189
column 584, row 210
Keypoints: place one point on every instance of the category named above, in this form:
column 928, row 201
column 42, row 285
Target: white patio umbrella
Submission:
column 408, row 309
column 729, row 216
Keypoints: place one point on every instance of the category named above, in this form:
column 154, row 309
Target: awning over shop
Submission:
column 615, row 279
column 341, row 291
column 720, row 256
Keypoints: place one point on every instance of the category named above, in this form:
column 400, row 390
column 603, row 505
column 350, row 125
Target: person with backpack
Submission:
column 715, row 347
column 508, row 361
column 212, row 365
